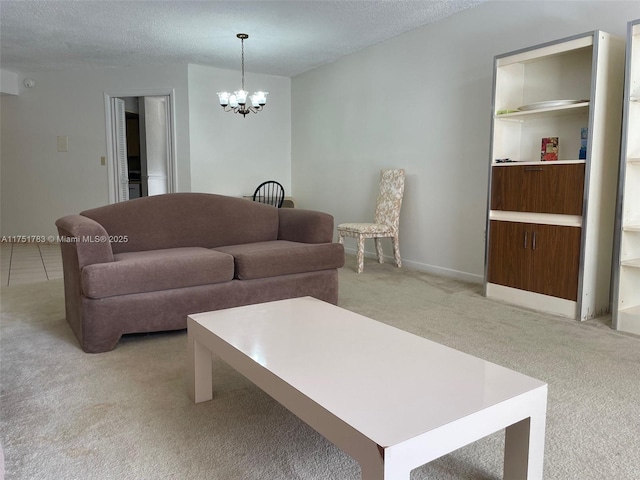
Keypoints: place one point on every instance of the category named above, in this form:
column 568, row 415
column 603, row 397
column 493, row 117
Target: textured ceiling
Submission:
column 286, row 37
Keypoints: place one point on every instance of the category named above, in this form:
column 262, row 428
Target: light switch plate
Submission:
column 63, row 143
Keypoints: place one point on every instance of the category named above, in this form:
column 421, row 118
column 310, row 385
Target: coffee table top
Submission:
column 388, row 384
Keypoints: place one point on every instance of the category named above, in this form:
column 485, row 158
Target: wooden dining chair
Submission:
column 269, row 192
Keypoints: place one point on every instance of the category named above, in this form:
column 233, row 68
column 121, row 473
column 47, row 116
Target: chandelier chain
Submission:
column 242, row 41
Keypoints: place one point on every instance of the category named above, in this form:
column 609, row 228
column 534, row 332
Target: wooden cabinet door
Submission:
column 538, row 258
column 509, row 254
column 514, row 189
column 556, row 260
column 561, row 189
column 544, row 188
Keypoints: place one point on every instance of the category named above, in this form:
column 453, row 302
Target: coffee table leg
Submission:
column 199, row 368
column 378, row 471
column 524, row 449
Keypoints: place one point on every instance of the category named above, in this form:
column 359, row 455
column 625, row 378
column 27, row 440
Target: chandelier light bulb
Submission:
column 241, row 96
column 224, row 98
column 259, row 98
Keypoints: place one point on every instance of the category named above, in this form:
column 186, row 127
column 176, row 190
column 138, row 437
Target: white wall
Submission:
column 422, row 101
column 221, row 153
column 40, row 184
column 232, row 154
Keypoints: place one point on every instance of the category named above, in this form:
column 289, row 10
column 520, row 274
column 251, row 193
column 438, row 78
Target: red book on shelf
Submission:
column 549, row 150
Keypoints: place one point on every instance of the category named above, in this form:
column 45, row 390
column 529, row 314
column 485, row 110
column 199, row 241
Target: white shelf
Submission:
column 572, row 109
column 536, row 162
column 631, row 228
column 633, row 160
column 556, row 49
column 532, row 217
column 634, row 263
column 634, row 310
column 629, row 319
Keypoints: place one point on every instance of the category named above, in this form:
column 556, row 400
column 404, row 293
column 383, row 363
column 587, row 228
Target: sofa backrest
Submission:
column 185, row 220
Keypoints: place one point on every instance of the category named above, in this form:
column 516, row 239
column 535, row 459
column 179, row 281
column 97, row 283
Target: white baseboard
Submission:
column 424, row 267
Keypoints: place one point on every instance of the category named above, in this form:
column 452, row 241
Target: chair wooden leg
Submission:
column 360, row 253
column 379, row 250
column 396, row 251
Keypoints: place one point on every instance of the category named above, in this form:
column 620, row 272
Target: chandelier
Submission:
column 236, row 102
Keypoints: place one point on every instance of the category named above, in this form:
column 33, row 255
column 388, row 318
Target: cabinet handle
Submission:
column 533, row 241
column 525, row 239
column 533, row 169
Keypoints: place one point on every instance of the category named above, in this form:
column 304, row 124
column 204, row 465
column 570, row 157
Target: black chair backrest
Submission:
column 270, row 192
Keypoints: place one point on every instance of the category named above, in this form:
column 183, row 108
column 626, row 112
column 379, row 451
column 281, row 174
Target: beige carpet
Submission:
column 126, row 415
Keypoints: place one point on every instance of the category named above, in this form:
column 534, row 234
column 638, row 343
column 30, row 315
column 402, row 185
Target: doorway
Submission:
column 140, row 145
column 135, row 137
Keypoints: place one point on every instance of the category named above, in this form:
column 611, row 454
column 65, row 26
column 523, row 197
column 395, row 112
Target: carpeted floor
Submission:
column 125, row 414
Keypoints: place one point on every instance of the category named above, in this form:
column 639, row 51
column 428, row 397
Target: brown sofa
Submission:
column 145, row 264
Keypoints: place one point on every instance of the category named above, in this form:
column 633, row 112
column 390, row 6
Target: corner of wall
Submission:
column 9, row 83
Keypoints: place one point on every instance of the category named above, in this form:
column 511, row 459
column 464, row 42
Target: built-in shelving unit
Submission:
column 550, row 224
column 626, row 291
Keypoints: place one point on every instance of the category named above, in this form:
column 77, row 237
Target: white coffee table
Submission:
column 390, row 399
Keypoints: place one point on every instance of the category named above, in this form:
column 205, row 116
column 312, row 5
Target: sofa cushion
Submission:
column 153, row 270
column 281, row 257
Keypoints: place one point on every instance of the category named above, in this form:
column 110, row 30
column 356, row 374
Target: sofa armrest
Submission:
column 90, row 239
column 306, row 226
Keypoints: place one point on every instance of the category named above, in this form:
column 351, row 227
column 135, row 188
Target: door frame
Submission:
column 112, row 167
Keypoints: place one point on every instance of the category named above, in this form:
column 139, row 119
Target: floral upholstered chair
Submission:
column 386, row 222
